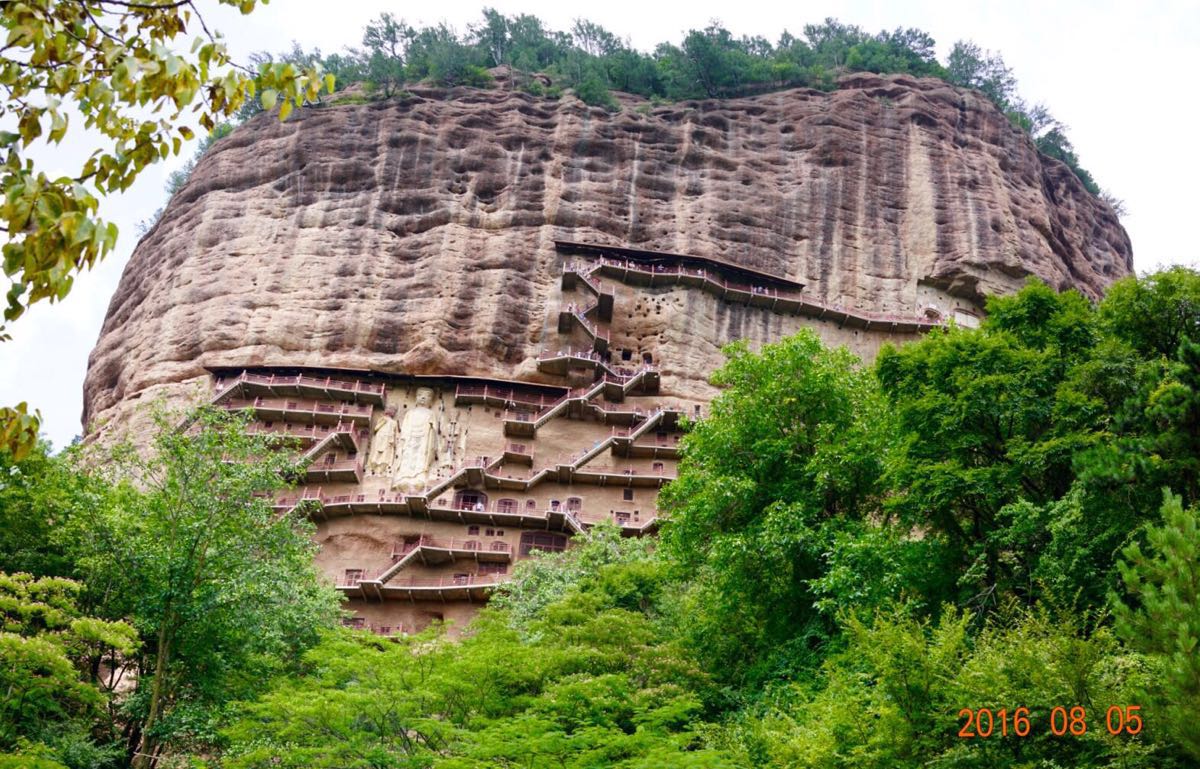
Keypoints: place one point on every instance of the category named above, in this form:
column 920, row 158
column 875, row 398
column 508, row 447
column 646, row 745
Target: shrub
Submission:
column 595, row 94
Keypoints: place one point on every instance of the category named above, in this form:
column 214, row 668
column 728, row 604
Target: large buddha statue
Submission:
column 418, row 443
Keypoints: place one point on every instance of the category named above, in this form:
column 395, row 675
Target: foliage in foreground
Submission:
column 1163, row 618
column 114, row 65
column 594, row 682
column 890, row 699
column 998, row 482
column 786, row 465
column 545, row 578
column 53, row 688
column 221, row 590
column 853, row 557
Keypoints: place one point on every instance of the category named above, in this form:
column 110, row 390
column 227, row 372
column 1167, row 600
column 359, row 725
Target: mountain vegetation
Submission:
column 857, row 562
column 709, row 63
column 135, row 612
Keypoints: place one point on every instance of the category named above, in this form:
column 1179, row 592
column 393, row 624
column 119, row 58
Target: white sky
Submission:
column 1118, row 73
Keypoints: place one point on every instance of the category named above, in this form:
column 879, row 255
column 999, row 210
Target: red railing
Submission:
column 287, row 502
column 311, row 432
column 629, row 523
column 297, row 380
column 366, row 575
column 592, row 328
column 578, row 393
column 466, row 580
column 614, row 472
column 747, row 288
column 597, row 286
column 501, row 394
column 339, row 466
column 595, row 357
column 462, row 545
column 491, row 508
column 302, row 406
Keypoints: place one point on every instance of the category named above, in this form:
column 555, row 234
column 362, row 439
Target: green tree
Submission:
column 49, row 660
column 790, row 454
column 831, row 41
column 970, row 67
column 599, row 681
column 891, row 699
column 982, row 434
column 493, row 36
column 543, row 579
column 1154, row 313
column 112, row 63
column 344, row 68
column 593, row 93
column 357, row 702
column 632, row 72
column 1139, row 388
column 221, row 588
column 534, row 47
column 594, row 39
column 37, row 494
column 1162, row 617
column 1054, row 143
column 385, row 41
column 436, row 54
column 1173, row 412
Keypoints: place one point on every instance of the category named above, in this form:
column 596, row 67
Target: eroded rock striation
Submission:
column 485, row 316
column 417, row 236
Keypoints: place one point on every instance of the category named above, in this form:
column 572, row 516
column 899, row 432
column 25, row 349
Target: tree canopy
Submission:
column 115, row 65
column 852, row 555
column 591, row 677
column 198, row 588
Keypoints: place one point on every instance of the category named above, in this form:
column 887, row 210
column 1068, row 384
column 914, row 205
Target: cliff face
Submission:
column 418, row 236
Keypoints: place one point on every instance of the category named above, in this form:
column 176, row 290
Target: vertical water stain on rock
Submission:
column 418, row 235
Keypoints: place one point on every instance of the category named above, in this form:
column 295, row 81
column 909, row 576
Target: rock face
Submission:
column 417, row 236
column 485, row 316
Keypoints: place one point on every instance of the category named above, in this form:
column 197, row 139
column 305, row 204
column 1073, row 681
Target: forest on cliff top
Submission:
column 856, row 563
column 709, row 63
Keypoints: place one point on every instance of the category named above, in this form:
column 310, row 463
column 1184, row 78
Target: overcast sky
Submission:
column 1118, row 73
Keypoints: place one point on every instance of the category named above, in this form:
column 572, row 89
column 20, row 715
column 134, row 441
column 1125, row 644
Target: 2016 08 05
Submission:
column 1020, row 722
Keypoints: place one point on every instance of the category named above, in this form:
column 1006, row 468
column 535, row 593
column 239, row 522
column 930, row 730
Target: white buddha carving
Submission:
column 383, row 444
column 418, row 443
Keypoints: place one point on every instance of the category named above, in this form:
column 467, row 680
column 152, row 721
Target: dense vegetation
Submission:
column 132, row 615
column 709, row 63
column 996, row 518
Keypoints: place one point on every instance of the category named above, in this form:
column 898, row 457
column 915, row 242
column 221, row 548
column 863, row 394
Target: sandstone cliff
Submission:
column 417, row 236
